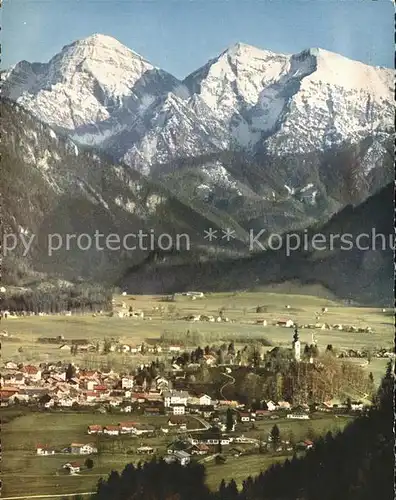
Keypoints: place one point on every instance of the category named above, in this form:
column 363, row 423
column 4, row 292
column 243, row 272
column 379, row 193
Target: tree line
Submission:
column 57, row 299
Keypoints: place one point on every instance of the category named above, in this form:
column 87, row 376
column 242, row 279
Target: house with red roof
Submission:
column 32, row 372
column 91, row 396
column 72, row 467
column 127, row 427
column 95, row 429
column 100, row 388
column 111, row 430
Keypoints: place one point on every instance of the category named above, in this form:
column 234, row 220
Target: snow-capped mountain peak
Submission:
column 238, row 73
column 100, row 41
column 102, row 93
column 107, row 60
column 87, row 83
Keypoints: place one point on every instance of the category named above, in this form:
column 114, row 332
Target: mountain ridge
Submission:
column 363, row 276
column 100, row 93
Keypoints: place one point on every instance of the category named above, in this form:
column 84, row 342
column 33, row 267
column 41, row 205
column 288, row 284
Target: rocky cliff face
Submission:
column 50, row 185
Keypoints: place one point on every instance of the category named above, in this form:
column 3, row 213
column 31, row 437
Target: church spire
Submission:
column 296, row 345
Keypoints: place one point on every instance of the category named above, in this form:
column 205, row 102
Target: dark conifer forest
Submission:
column 56, row 299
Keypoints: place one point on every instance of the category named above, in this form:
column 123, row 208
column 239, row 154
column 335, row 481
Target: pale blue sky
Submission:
column 181, row 35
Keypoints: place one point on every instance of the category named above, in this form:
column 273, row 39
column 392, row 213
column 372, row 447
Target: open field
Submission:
column 44, row 475
column 240, row 308
column 319, row 424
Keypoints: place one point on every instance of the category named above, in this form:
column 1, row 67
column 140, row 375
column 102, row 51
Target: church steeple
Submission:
column 296, row 345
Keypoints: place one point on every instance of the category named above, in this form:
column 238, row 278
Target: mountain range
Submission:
column 104, row 94
column 251, row 140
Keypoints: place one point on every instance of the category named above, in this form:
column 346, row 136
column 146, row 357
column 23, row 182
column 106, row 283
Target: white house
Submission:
column 175, row 398
column 205, row 400
column 65, row 402
column 141, row 429
column 127, row 382
column 178, row 409
column 174, row 348
column 32, row 372
column 210, row 360
column 288, row 323
column 298, row 416
column 10, row 365
column 90, row 384
column 88, row 449
column 72, row 467
column 127, row 427
column 182, row 457
column 44, row 450
column 111, row 430
column 271, row 406
column 126, row 409
column 95, row 429
column 180, row 422
column 65, row 347
column 90, row 396
column 83, row 449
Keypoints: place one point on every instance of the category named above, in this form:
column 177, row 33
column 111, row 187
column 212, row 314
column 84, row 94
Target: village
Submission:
column 196, row 423
column 185, row 397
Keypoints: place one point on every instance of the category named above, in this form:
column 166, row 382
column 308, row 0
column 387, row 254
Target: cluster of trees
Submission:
column 357, row 463
column 279, row 377
column 197, row 355
column 56, row 299
column 196, row 337
column 283, row 378
column 310, row 350
column 226, row 353
column 155, row 480
column 145, row 376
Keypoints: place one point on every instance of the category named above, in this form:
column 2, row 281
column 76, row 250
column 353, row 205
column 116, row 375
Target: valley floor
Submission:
column 26, row 473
